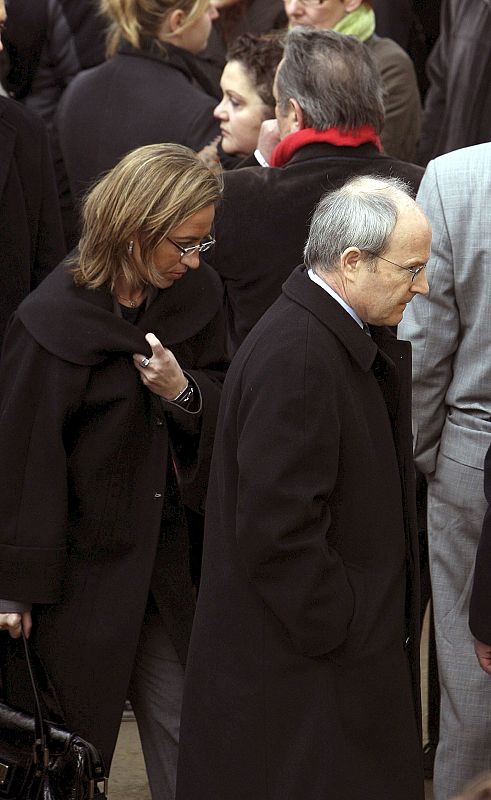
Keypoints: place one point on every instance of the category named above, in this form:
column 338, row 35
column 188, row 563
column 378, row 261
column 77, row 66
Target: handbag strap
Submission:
column 41, row 746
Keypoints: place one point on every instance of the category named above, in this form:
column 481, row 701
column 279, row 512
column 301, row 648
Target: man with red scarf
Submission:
column 329, row 117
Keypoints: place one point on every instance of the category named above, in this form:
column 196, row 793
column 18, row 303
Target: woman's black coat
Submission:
column 92, row 514
column 137, row 97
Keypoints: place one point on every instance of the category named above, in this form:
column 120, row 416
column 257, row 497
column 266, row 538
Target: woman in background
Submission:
column 247, row 89
column 109, row 383
column 150, row 89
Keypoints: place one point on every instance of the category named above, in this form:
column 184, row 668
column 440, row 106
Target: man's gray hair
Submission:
column 333, row 78
column 362, row 213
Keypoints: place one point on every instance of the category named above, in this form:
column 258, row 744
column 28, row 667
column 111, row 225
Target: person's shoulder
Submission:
column 476, row 159
column 389, row 166
column 387, row 49
column 21, row 118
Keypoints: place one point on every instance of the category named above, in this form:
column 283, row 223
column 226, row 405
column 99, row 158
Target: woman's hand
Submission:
column 15, row 623
column 483, row 653
column 161, row 372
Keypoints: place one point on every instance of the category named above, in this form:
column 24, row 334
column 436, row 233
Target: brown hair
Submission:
column 133, row 19
column 260, row 56
column 149, row 192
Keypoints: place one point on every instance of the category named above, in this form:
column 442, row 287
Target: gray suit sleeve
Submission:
column 432, row 325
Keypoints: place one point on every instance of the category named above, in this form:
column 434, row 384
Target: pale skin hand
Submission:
column 163, row 375
column 15, row 623
column 269, row 137
column 483, row 653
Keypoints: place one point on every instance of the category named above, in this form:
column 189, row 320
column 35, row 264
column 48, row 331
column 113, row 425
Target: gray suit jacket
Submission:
column 450, row 329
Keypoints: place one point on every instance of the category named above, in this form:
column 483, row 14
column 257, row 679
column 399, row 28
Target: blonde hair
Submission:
column 151, row 191
column 133, row 19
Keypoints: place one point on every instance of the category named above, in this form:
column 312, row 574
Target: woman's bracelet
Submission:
column 184, row 396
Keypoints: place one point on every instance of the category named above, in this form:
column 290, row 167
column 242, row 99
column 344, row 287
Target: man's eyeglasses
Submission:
column 196, row 248
column 412, row 270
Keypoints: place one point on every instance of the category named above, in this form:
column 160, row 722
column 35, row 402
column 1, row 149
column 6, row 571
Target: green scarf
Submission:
column 359, row 23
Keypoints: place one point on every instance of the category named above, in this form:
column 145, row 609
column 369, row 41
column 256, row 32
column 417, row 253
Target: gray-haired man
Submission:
column 329, row 116
column 303, row 666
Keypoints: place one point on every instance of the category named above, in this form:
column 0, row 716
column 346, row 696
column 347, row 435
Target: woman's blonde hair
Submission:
column 134, row 19
column 151, row 191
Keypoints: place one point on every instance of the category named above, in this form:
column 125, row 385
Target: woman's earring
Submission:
column 131, row 245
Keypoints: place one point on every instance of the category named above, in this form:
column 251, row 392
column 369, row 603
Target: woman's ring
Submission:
column 145, row 362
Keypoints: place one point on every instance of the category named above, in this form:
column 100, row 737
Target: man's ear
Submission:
column 350, row 263
column 296, row 115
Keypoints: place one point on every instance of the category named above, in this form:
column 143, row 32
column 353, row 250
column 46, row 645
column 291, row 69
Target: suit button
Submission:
column 157, row 495
column 159, row 421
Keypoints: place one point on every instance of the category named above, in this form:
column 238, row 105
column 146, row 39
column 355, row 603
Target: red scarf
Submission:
column 294, row 141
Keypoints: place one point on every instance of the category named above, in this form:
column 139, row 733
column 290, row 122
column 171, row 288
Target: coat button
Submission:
column 159, row 421
column 157, row 495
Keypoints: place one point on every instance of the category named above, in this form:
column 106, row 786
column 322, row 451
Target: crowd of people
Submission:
column 245, row 386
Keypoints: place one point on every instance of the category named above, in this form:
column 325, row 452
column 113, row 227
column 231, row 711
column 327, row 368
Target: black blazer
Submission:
column 262, row 224
column 31, row 236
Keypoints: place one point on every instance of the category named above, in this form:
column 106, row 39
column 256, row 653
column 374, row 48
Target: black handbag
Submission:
column 41, row 760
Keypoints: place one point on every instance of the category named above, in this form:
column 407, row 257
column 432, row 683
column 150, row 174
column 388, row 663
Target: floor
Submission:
column 128, row 778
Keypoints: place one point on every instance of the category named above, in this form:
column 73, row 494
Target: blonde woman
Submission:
column 150, row 89
column 110, row 382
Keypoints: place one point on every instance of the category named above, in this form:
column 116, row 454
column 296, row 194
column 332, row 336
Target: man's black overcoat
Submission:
column 92, row 515
column 31, row 236
column 262, row 224
column 301, row 681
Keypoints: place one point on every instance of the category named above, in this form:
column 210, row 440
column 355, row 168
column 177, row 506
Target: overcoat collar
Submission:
column 176, row 57
column 7, row 144
column 78, row 324
column 305, row 292
column 317, row 150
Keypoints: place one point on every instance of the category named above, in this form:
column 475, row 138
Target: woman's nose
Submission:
column 219, row 111
column 191, row 260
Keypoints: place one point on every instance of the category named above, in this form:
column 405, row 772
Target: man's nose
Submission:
column 420, row 284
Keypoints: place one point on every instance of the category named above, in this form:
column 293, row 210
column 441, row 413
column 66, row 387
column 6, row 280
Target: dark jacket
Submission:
column 258, row 16
column 480, row 604
column 458, row 103
column 263, row 222
column 31, row 236
column 92, row 512
column 137, row 97
column 402, row 101
column 47, row 44
column 298, row 683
